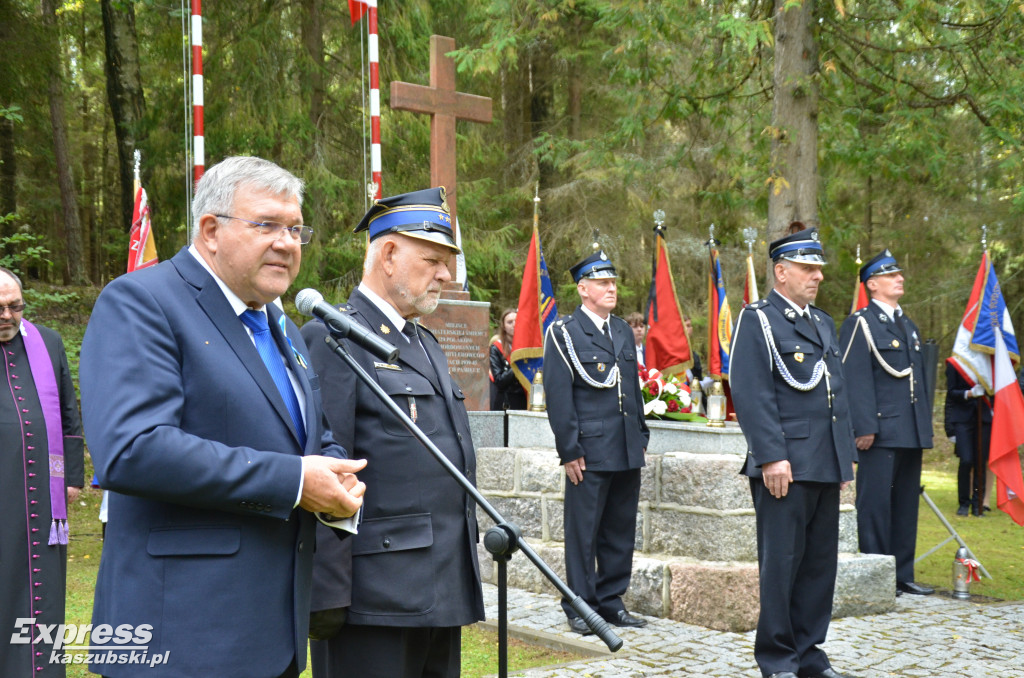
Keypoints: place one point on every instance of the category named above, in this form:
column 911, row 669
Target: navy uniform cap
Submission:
column 880, row 264
column 803, row 247
column 420, row 214
column 597, row 265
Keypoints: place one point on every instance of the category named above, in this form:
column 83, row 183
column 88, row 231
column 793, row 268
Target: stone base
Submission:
column 716, row 595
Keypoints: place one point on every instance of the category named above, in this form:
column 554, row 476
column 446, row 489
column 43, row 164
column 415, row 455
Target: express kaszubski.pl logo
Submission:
column 86, row 644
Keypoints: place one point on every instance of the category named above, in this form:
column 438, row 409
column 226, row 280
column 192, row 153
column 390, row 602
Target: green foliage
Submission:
column 22, row 251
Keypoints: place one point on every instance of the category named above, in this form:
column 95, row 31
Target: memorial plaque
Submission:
column 462, row 327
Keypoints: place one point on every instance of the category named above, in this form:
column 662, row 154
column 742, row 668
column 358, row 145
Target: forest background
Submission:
column 615, row 108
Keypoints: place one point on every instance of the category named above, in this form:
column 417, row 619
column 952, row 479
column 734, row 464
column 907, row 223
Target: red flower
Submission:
column 673, row 406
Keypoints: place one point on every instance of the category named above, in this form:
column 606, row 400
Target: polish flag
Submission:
column 1007, row 435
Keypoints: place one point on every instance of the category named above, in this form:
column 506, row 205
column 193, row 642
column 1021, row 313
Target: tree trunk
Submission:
column 542, row 106
column 8, row 173
column 74, row 271
column 313, row 40
column 793, row 192
column 124, row 92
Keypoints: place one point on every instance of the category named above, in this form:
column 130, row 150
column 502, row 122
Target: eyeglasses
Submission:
column 13, row 308
column 273, row 229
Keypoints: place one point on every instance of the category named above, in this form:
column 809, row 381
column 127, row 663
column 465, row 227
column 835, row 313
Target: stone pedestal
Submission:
column 461, row 327
column 696, row 558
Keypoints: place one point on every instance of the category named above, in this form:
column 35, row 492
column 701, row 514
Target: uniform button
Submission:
column 408, row 388
column 386, row 543
column 833, row 418
column 300, row 545
column 460, row 437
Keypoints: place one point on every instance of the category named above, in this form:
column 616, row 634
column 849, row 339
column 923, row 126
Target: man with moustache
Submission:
column 595, row 410
column 892, row 418
column 791, row 403
column 204, row 422
column 415, row 579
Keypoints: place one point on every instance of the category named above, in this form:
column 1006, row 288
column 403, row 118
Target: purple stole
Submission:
column 49, row 399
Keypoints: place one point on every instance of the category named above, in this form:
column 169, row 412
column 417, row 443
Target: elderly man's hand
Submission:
column 777, row 476
column 330, row 486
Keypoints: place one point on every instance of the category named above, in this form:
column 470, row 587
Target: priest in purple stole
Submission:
column 41, row 471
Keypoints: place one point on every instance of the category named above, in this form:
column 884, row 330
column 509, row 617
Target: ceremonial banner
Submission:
column 536, row 312
column 357, row 8
column 975, row 339
column 860, row 297
column 750, row 286
column 719, row 320
column 141, row 248
column 667, row 347
column 1007, row 435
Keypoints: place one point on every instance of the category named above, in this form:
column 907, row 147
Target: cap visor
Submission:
column 432, row 236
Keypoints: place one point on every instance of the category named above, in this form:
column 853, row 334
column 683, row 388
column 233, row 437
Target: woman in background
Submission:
column 506, row 392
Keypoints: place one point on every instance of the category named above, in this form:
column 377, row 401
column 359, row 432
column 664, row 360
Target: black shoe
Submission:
column 986, row 509
column 577, row 625
column 963, row 510
column 626, row 620
column 913, row 589
column 783, row 674
column 830, row 673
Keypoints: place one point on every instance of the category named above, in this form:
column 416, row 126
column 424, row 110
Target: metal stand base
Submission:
column 952, row 535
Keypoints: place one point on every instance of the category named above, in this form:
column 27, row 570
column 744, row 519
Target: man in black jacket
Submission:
column 415, row 579
column 892, row 418
column 968, row 423
column 791, row 403
column 595, row 410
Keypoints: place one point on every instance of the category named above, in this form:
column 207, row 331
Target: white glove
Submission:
column 975, row 392
column 952, row 439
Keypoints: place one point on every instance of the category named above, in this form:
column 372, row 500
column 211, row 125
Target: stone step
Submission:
column 720, row 595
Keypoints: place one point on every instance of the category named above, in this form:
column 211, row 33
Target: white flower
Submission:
column 656, row 406
column 671, row 388
column 684, row 399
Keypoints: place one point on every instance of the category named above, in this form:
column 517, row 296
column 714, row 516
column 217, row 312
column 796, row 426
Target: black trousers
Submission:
column 600, row 533
column 888, row 496
column 797, row 550
column 970, row 483
column 389, row 652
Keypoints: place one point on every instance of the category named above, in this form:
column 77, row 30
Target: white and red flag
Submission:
column 1007, row 435
column 141, row 247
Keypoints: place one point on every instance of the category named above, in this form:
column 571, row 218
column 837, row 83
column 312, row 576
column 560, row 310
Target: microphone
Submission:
column 311, row 302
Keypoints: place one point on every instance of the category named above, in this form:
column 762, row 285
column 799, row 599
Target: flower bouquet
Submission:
column 666, row 397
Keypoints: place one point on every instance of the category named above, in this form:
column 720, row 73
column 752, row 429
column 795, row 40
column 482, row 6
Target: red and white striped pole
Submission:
column 198, row 141
column 371, row 30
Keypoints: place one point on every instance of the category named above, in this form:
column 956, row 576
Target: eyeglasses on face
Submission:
column 273, row 230
column 13, row 308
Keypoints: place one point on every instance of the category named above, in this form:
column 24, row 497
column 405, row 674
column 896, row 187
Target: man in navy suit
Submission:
column 892, row 418
column 787, row 386
column 204, row 421
column 596, row 412
column 413, row 565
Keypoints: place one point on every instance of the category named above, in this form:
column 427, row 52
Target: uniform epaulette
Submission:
column 760, row 303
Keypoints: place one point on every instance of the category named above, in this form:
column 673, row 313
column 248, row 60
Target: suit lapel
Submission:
column 802, row 328
column 211, row 299
column 596, row 336
column 409, row 354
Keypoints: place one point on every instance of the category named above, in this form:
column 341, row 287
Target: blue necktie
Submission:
column 257, row 322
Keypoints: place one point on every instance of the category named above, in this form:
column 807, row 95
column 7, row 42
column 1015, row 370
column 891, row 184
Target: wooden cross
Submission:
column 445, row 106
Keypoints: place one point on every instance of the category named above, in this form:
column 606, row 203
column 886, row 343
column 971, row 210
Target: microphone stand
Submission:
column 501, row 541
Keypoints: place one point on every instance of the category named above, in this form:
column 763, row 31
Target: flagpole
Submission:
column 375, row 155
column 198, row 138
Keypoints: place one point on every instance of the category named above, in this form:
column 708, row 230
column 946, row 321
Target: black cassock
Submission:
column 32, row 574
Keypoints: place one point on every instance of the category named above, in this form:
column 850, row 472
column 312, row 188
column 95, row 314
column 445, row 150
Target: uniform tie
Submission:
column 257, row 322
column 901, row 324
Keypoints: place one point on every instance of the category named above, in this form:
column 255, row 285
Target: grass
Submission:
column 995, row 540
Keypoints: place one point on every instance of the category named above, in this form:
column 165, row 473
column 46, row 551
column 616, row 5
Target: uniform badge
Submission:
column 799, row 357
column 384, row 329
column 817, row 318
column 895, row 343
column 600, row 367
column 790, row 313
column 883, row 317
